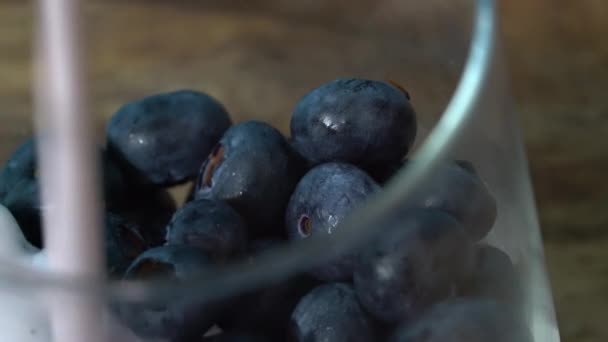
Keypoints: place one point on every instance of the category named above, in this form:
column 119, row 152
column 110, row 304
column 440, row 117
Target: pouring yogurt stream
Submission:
column 69, row 195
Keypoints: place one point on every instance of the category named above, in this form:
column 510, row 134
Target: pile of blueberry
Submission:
column 425, row 278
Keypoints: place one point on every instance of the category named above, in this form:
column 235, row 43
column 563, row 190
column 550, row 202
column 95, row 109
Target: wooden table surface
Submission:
column 557, row 62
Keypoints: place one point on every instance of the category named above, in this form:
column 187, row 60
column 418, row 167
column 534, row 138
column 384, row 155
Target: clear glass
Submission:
column 258, row 58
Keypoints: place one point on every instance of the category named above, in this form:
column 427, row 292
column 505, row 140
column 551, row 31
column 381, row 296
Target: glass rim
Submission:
column 283, row 261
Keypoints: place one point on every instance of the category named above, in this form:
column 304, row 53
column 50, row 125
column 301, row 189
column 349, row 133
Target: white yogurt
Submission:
column 23, row 312
column 22, row 315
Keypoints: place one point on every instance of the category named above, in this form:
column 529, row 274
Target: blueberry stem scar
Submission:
column 215, row 159
column 305, row 225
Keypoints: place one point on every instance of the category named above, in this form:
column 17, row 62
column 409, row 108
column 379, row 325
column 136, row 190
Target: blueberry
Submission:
column 235, row 337
column 322, row 199
column 254, row 170
column 266, row 311
column 180, row 317
column 165, row 137
column 330, row 313
column 20, row 193
column 23, row 201
column 151, row 209
column 493, row 277
column 124, row 243
column 213, row 226
column 118, row 187
column 421, row 258
column 19, row 190
column 464, row 320
column 358, row 121
column 20, row 165
column 457, row 189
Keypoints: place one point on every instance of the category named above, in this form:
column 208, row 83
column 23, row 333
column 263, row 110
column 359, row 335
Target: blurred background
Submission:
column 558, row 66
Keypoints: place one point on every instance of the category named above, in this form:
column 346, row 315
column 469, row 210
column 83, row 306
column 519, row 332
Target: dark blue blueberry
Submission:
column 464, row 320
column 357, row 121
column 181, row 316
column 457, row 189
column 150, row 208
column 19, row 190
column 213, row 226
column 124, row 243
column 164, row 138
column 254, row 170
column 331, row 313
column 20, row 165
column 322, row 199
column 23, row 201
column 494, row 277
column 266, row 311
column 117, row 185
column 235, row 337
column 419, row 259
